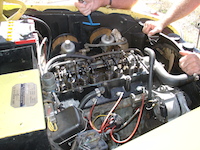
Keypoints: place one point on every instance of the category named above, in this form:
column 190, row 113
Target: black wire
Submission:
column 48, row 30
column 89, row 96
column 125, row 124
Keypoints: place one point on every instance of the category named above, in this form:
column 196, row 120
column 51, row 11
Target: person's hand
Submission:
column 152, row 27
column 190, row 62
column 89, row 6
column 86, row 7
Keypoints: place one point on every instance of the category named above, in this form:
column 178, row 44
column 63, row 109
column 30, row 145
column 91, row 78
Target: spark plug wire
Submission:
column 111, row 111
column 136, row 126
column 90, row 118
column 105, row 123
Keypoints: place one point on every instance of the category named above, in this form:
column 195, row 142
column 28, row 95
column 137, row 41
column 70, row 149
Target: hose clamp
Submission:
column 98, row 92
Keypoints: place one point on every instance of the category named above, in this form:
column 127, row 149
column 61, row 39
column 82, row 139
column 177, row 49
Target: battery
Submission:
column 21, row 109
column 17, row 59
column 19, row 30
column 17, row 33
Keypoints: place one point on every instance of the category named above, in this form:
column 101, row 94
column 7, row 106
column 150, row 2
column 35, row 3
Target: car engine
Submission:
column 105, row 85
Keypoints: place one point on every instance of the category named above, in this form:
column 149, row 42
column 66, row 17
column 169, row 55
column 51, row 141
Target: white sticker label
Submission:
column 24, row 95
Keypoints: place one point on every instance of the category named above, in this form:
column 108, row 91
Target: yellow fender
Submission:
column 16, row 15
column 134, row 12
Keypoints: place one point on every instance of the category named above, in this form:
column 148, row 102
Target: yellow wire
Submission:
column 97, row 118
column 52, row 126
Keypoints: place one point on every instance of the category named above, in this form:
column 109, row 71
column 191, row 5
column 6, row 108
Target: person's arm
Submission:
column 91, row 5
column 123, row 4
column 178, row 10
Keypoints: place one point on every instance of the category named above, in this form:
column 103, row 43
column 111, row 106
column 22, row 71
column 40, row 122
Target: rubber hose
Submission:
column 151, row 54
column 173, row 80
column 91, row 95
column 62, row 57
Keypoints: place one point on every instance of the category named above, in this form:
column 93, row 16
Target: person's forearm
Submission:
column 179, row 10
column 117, row 3
column 91, row 5
column 127, row 4
column 120, row 4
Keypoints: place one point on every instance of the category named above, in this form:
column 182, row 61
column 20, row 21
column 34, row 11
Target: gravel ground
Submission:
column 186, row 24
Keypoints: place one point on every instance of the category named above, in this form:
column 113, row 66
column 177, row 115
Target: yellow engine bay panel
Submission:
column 21, row 109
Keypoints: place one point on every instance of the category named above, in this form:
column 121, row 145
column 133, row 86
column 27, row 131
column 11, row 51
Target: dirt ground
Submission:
column 187, row 24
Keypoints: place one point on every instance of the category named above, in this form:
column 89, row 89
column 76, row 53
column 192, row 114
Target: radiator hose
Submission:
column 173, row 80
column 169, row 79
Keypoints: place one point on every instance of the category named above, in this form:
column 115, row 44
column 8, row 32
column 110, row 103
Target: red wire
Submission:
column 106, row 121
column 136, row 126
column 106, row 127
column 93, row 127
column 114, row 107
column 90, row 117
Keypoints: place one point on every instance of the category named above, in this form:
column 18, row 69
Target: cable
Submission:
column 63, row 56
column 91, row 95
column 106, row 121
column 90, row 118
column 128, row 121
column 56, row 99
column 39, row 54
column 48, row 30
column 38, row 33
column 136, row 126
column 93, row 121
column 114, row 107
column 52, row 126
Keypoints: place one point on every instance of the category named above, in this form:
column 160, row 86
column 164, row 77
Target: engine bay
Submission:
column 104, row 85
